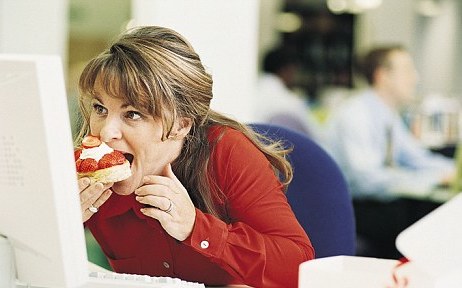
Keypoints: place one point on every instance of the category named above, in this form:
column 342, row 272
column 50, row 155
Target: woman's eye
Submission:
column 133, row 115
column 99, row 109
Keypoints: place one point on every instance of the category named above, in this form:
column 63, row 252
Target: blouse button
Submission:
column 205, row 244
column 166, row 265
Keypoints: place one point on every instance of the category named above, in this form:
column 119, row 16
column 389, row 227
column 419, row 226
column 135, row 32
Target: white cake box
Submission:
column 433, row 246
column 358, row 272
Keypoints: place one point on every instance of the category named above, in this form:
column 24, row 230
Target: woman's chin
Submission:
column 124, row 187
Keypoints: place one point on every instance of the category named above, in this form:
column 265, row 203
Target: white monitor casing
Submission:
column 39, row 205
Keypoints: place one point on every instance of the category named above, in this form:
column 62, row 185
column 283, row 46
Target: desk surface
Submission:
column 437, row 195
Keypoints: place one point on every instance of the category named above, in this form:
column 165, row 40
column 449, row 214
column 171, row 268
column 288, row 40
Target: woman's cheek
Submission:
column 95, row 126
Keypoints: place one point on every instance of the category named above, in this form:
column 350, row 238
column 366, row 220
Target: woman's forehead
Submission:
column 108, row 83
column 113, row 89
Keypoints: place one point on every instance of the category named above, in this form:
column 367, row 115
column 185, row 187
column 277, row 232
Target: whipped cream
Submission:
column 96, row 152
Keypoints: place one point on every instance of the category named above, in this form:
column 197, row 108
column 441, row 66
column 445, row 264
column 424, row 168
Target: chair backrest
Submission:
column 318, row 194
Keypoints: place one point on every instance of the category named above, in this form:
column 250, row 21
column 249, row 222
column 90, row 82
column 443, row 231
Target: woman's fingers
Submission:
column 163, row 218
column 168, row 179
column 154, row 189
column 168, row 201
column 92, row 195
column 160, row 202
column 103, row 198
column 83, row 183
column 168, row 172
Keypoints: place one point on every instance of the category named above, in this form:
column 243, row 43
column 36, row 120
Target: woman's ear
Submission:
column 181, row 128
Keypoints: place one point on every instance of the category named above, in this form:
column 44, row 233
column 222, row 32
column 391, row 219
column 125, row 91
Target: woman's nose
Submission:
column 110, row 131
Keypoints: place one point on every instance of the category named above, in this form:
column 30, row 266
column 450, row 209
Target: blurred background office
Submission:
column 325, row 34
column 277, row 100
column 232, row 37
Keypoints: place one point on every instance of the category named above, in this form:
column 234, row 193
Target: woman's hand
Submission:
column 92, row 196
column 169, row 202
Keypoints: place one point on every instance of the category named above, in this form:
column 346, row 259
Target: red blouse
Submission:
column 262, row 247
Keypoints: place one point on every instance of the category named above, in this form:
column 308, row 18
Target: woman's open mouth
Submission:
column 129, row 157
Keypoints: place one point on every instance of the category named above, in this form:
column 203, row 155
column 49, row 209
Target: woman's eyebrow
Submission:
column 98, row 98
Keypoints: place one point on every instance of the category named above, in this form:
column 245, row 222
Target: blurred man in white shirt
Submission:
column 378, row 154
column 277, row 103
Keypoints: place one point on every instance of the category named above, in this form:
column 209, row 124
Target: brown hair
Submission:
column 378, row 58
column 157, row 71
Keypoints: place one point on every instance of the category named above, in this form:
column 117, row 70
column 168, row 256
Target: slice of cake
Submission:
column 96, row 160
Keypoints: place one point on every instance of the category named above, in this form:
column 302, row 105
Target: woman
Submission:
column 205, row 201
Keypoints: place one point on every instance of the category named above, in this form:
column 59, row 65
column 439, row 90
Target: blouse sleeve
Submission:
column 264, row 244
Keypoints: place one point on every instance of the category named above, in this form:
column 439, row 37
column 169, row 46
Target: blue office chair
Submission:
column 318, row 194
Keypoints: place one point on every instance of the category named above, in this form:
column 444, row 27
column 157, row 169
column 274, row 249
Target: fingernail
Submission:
column 143, row 210
column 86, row 181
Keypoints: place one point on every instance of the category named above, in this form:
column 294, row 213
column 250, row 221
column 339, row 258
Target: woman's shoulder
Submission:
column 224, row 138
column 223, row 133
column 235, row 158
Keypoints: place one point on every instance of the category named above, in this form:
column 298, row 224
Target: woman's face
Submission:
column 126, row 129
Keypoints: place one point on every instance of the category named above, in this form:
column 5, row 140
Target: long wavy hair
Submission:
column 157, row 71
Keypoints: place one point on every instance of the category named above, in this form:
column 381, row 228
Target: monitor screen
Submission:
column 39, row 205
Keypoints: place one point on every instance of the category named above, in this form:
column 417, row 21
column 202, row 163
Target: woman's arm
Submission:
column 264, row 244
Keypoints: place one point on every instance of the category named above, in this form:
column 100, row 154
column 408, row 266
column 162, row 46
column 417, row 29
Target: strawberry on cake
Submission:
column 96, row 160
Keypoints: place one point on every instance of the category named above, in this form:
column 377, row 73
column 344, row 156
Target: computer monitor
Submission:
column 39, row 204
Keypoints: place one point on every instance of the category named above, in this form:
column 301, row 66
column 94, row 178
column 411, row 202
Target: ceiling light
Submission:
column 337, row 6
column 288, row 22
